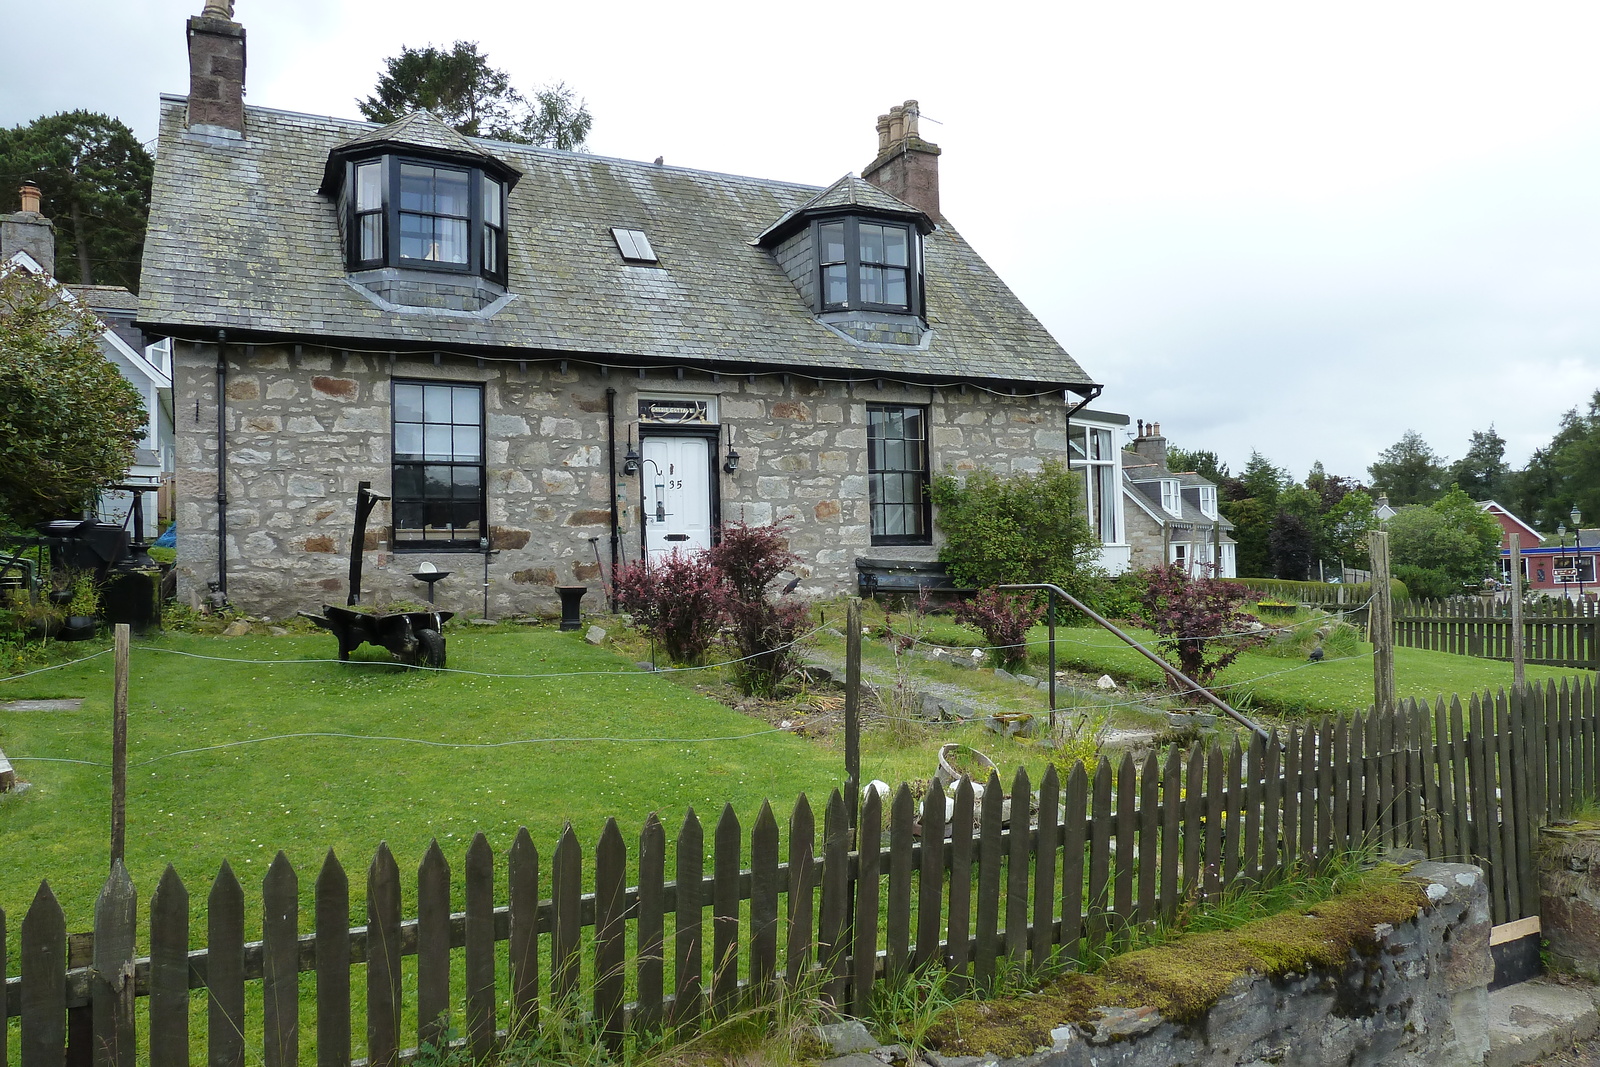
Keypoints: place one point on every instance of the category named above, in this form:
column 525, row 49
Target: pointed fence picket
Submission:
column 953, row 881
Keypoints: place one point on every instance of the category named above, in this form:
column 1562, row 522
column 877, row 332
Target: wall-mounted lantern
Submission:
column 731, row 464
column 630, row 462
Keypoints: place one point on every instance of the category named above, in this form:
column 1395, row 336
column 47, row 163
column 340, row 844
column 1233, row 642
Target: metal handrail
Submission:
column 1056, row 591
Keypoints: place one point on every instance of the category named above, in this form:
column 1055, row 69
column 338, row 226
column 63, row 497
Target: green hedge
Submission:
column 1318, row 592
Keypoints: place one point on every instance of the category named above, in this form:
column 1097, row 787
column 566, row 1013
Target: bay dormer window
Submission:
column 1208, row 501
column 1171, row 500
column 424, row 215
column 867, row 264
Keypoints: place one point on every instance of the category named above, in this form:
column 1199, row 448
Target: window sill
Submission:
column 411, row 548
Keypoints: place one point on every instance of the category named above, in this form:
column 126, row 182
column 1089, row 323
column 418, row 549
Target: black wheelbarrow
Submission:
column 412, row 637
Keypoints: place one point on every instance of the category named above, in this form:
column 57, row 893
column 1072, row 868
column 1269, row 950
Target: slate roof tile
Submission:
column 239, row 238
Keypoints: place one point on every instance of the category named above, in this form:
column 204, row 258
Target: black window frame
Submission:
column 397, row 538
column 853, row 264
column 877, row 469
column 478, row 228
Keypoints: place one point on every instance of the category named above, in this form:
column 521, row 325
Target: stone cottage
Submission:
column 555, row 363
column 1172, row 515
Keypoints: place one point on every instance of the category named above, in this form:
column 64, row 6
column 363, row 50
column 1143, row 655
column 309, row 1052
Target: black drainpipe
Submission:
column 611, row 466
column 1094, row 391
column 222, row 463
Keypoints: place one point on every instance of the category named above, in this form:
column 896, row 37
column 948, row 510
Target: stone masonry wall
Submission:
column 1419, row 999
column 304, row 427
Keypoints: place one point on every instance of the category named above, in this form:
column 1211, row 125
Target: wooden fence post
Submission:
column 119, row 747
column 111, row 991
column 852, row 710
column 1380, row 624
column 1519, row 674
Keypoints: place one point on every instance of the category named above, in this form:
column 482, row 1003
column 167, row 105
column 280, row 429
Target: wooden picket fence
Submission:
column 1114, row 846
column 1559, row 635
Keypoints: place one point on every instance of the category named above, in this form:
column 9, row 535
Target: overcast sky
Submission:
column 1297, row 228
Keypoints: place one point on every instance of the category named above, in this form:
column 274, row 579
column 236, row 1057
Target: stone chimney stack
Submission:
column 216, row 70
column 907, row 167
column 29, row 231
column 1150, row 444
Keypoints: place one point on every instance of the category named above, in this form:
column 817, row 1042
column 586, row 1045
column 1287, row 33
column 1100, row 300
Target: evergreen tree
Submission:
column 1409, row 471
column 478, row 100
column 1481, row 473
column 95, row 177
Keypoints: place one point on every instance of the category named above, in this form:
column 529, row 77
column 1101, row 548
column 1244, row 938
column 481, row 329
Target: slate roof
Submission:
column 239, row 238
column 1143, row 477
column 421, row 128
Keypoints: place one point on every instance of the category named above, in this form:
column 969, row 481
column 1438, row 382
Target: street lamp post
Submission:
column 1577, row 543
column 1561, row 532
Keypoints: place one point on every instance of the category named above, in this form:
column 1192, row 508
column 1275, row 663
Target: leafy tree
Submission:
column 1331, row 488
column 1409, row 471
column 95, row 177
column 461, row 87
column 1345, row 528
column 1252, row 528
column 1292, row 546
column 1451, row 536
column 69, row 420
column 1483, row 470
column 1203, row 462
column 1022, row 528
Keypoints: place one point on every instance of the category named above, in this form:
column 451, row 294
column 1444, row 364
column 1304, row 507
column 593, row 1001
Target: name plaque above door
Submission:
column 677, row 410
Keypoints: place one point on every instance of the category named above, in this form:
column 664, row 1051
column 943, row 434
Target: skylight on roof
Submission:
column 634, row 246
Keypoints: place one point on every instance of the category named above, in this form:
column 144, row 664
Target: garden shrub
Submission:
column 1193, row 618
column 764, row 630
column 1020, row 528
column 676, row 600
column 1427, row 583
column 1005, row 619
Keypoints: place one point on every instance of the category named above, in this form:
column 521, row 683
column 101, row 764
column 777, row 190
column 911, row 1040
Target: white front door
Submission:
column 676, row 480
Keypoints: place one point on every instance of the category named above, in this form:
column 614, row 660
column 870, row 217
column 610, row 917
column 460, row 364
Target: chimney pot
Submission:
column 1141, row 427
column 907, row 167
column 218, row 9
column 29, row 231
column 912, row 113
column 883, row 134
column 30, row 197
column 897, row 124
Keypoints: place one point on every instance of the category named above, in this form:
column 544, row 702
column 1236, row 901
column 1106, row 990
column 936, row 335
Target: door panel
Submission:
column 676, row 479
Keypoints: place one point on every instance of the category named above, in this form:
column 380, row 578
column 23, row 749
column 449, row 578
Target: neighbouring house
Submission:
column 1559, row 564
column 1172, row 516
column 554, row 363
column 27, row 243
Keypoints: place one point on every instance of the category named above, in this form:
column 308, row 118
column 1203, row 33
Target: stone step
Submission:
column 1533, row 1019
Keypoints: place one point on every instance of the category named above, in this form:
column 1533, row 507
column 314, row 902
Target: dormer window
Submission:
column 1171, row 500
column 868, row 264
column 1208, row 501
column 425, row 215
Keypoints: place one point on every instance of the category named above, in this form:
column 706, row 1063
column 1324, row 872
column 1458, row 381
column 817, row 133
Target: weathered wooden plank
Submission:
column 1506, row 800
column 480, row 962
column 433, row 948
column 930, row 876
column 990, row 855
column 1291, row 797
column 1372, row 765
column 1443, row 800
column 650, row 930
column 688, row 965
column 1216, row 790
column 115, row 913
column 1551, row 729
column 566, row 890
column 522, row 877
column 802, row 880
column 1171, row 830
column 1272, row 805
column 1016, row 907
column 5, row 1027
column 1149, row 843
column 897, row 913
column 1074, row 814
column 959, row 939
column 1194, row 818
column 280, row 960
column 1387, row 778
column 1233, row 825
column 725, row 865
column 332, row 919
column 1255, row 759
column 43, row 968
column 832, row 951
column 1341, row 784
column 1526, row 864
column 1485, row 823
column 1462, row 795
column 383, row 959
column 1564, row 782
column 864, row 950
column 1100, row 827
column 225, row 971
column 1044, row 867
column 1325, row 757
column 610, row 934
column 764, row 902
column 1126, row 824
column 169, row 972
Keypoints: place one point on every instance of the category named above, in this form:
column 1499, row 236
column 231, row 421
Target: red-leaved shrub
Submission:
column 1197, row 619
column 764, row 629
column 1005, row 619
column 678, row 600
